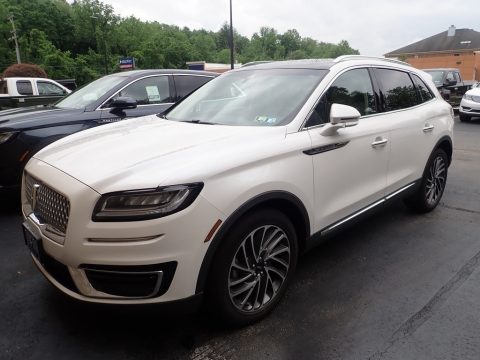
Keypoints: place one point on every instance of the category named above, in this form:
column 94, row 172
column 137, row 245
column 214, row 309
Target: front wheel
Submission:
column 253, row 267
column 464, row 118
column 434, row 179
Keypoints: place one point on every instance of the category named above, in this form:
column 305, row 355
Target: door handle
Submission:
column 379, row 142
column 428, row 128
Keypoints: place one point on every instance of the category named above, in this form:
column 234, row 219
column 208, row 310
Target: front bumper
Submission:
column 95, row 256
column 470, row 107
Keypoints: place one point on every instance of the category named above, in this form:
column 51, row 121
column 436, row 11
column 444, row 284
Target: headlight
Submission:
column 145, row 204
column 467, row 97
column 4, row 137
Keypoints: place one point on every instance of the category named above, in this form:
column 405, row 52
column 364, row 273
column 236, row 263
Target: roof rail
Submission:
column 256, row 62
column 359, row 57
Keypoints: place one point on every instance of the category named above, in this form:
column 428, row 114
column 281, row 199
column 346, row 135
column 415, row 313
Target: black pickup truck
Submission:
column 450, row 84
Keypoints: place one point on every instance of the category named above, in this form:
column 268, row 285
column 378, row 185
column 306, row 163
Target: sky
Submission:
column 374, row 27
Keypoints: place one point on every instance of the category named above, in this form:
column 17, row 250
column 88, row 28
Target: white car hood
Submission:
column 148, row 152
column 474, row 91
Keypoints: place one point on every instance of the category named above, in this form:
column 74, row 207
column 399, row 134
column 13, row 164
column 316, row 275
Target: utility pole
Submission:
column 14, row 38
column 231, row 38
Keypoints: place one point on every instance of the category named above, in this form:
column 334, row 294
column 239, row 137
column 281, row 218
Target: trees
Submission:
column 84, row 39
column 24, row 70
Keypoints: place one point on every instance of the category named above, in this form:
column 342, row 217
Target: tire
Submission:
column 246, row 282
column 464, row 118
column 428, row 195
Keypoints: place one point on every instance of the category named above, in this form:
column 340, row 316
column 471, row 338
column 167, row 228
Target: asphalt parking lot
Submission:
column 396, row 286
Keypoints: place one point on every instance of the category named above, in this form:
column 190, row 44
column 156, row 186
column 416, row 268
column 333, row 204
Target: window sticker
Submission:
column 152, row 92
column 266, row 119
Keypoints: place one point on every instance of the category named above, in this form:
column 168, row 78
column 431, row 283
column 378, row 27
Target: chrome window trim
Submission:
column 303, row 127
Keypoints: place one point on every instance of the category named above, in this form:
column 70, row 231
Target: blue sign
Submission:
column 127, row 63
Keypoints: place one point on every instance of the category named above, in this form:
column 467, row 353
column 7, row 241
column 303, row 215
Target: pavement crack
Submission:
column 429, row 309
column 460, row 209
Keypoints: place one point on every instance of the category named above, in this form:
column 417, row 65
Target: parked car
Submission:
column 450, row 84
column 109, row 99
column 27, row 91
column 220, row 195
column 470, row 105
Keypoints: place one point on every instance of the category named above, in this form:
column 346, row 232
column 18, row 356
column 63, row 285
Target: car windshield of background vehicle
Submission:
column 266, row 97
column 437, row 76
column 90, row 93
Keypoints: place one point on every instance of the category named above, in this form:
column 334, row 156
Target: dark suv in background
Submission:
column 109, row 99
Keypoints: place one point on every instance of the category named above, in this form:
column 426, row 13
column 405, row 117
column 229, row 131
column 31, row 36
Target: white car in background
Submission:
column 220, row 196
column 470, row 104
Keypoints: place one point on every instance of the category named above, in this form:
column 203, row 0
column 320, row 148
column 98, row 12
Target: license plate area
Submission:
column 33, row 242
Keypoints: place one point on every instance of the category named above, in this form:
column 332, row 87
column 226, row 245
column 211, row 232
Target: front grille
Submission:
column 49, row 206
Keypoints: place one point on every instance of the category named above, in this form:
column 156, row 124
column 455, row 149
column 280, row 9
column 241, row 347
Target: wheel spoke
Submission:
column 278, row 272
column 249, row 293
column 280, row 261
column 239, row 281
column 246, row 287
column 279, row 251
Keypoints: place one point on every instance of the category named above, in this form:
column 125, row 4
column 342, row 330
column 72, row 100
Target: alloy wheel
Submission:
column 259, row 268
column 435, row 180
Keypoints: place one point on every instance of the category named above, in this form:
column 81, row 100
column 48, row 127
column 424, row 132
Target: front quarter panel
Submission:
column 285, row 168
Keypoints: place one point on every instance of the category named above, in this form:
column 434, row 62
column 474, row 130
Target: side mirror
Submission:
column 123, row 102
column 344, row 114
column 341, row 116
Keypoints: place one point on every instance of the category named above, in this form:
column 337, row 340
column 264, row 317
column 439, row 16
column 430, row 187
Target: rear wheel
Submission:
column 253, row 267
column 428, row 195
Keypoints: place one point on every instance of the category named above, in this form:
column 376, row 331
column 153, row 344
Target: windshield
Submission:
column 90, row 93
column 437, row 75
column 250, row 97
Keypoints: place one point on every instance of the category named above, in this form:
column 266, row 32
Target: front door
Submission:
column 350, row 166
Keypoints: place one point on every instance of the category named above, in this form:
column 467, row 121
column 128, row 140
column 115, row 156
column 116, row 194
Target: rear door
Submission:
column 412, row 116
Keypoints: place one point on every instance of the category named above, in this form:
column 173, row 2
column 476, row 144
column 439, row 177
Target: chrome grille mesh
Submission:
column 51, row 207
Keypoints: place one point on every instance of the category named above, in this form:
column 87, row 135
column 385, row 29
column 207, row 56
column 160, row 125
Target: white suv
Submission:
column 221, row 195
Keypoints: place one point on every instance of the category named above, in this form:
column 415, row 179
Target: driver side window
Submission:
column 353, row 88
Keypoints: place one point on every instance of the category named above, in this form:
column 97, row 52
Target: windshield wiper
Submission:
column 199, row 122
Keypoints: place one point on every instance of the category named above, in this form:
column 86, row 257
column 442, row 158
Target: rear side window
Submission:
column 397, row 89
column 423, row 90
column 353, row 88
column 24, row 87
column 185, row 84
